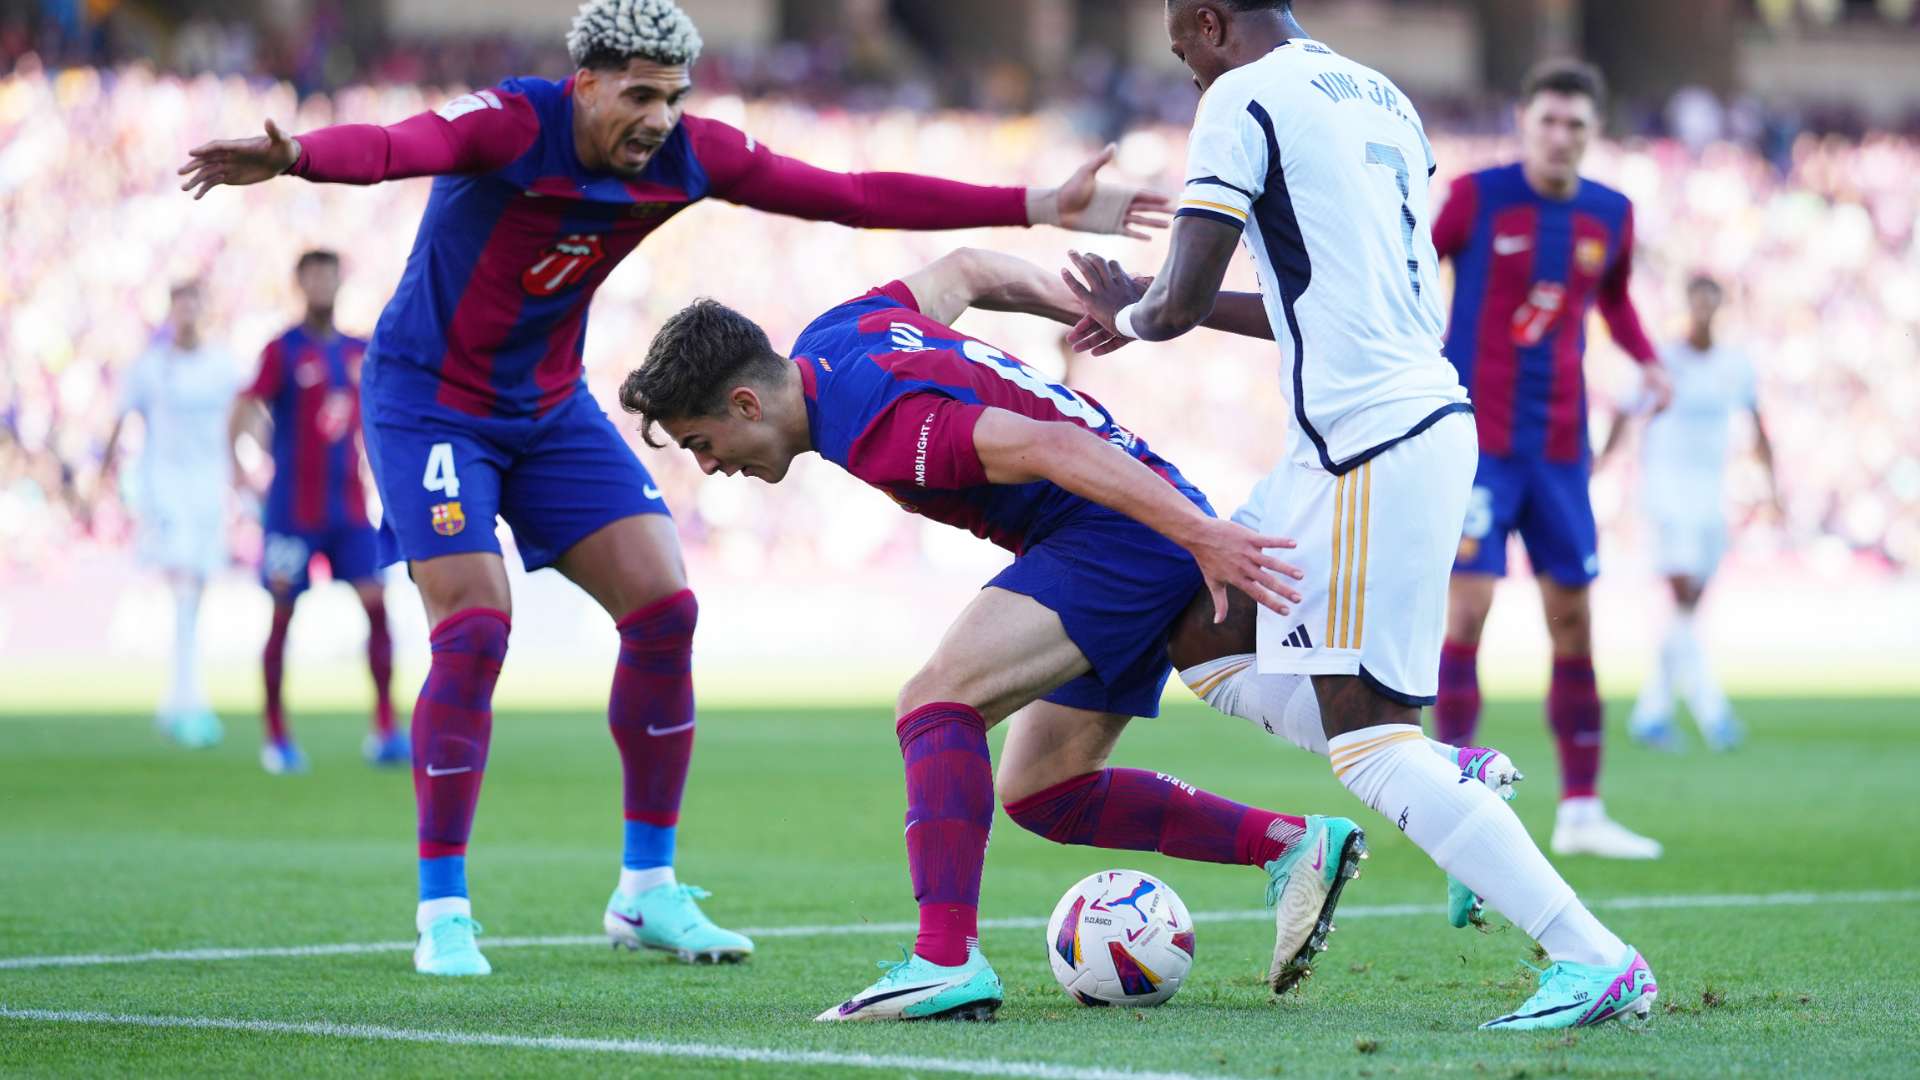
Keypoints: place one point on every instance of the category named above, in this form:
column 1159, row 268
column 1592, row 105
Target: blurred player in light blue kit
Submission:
column 306, row 396
column 181, row 388
column 1683, row 469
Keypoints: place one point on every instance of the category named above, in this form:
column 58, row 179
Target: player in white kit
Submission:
column 1683, row 465
column 1320, row 166
column 181, row 387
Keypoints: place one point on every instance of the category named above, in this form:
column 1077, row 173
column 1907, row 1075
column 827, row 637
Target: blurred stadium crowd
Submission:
column 1819, row 244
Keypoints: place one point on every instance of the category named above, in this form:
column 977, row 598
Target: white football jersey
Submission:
column 1325, row 165
column 184, row 398
column 1684, row 453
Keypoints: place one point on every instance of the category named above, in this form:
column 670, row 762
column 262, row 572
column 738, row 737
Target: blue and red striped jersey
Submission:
column 893, row 398
column 1527, row 271
column 490, row 315
column 312, row 389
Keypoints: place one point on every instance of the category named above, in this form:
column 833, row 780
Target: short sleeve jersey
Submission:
column 1324, row 164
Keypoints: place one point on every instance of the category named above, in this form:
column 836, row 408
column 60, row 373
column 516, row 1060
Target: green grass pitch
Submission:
column 112, row 843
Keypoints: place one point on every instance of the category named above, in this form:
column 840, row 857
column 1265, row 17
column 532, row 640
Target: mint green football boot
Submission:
column 446, row 947
column 1582, row 995
column 668, row 918
column 916, row 989
column 1303, row 886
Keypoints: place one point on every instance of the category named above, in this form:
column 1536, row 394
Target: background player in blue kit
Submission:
column 476, row 404
column 307, row 393
column 1111, row 544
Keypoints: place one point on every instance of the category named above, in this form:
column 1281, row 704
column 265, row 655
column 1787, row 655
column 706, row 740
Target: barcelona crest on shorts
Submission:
column 448, row 519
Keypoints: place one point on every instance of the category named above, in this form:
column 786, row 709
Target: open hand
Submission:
column 239, row 161
column 1233, row 555
column 1088, row 336
column 1107, row 288
column 1087, row 205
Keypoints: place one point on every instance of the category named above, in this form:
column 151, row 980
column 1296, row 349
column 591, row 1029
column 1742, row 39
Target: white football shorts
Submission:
column 1377, row 544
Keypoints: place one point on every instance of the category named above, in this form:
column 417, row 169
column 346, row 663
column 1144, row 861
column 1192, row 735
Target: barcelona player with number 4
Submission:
column 1535, row 248
column 477, row 406
column 1111, row 543
column 307, row 392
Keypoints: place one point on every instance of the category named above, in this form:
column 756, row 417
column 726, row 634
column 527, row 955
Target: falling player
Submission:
column 307, row 392
column 476, row 403
column 1535, row 248
column 181, row 388
column 1110, row 544
column 1320, row 166
column 1683, row 463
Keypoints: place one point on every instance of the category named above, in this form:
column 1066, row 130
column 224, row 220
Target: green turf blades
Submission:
column 794, row 818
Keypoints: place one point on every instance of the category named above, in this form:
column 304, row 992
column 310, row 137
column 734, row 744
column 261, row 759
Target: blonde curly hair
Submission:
column 608, row 33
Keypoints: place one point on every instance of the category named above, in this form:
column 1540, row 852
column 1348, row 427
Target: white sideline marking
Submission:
column 1377, row 911
column 638, row 1047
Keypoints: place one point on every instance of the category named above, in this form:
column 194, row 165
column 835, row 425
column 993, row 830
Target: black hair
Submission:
column 1563, row 75
column 1248, row 5
column 316, row 257
column 698, row 355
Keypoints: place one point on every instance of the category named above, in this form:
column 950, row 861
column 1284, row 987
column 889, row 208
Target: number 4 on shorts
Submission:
column 440, row 475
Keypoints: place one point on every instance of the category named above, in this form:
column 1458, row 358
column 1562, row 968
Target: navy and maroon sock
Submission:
column 273, row 661
column 1576, row 716
column 452, row 725
column 1456, row 710
column 380, row 666
column 651, row 715
column 949, row 813
column 1136, row 810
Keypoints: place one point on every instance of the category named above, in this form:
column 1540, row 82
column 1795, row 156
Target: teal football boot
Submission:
column 916, row 989
column 667, row 918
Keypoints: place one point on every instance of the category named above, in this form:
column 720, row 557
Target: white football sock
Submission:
column 187, row 694
column 635, row 882
column 1656, row 693
column 1283, row 706
column 1472, row 834
column 429, row 910
column 1705, row 699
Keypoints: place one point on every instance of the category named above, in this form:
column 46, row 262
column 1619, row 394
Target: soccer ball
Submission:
column 1120, row 937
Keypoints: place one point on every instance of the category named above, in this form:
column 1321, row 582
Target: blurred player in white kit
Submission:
column 181, row 387
column 1683, row 468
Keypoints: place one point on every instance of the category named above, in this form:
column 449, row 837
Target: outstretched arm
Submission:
column 1018, row 450
column 743, row 171
column 992, row 281
column 1764, row 446
column 473, row 133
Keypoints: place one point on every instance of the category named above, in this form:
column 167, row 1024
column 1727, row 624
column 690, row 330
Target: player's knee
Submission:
column 667, row 622
column 1570, row 624
column 480, row 632
column 1469, row 599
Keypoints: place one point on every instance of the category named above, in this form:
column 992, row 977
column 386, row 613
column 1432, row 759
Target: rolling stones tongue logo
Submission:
column 563, row 265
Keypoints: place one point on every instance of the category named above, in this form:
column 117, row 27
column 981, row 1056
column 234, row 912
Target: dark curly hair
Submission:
column 700, row 354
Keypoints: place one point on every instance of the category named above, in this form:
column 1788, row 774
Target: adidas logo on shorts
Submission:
column 1298, row 639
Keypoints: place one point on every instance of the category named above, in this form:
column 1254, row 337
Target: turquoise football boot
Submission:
column 447, row 947
column 1582, row 995
column 1303, row 886
column 668, row 918
column 196, row 729
column 915, row 989
column 1499, row 773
